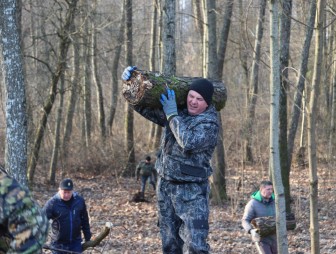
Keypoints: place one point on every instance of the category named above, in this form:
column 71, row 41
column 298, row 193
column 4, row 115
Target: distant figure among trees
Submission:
column 145, row 169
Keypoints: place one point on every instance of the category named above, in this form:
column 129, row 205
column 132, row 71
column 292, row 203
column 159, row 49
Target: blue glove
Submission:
column 169, row 104
column 128, row 72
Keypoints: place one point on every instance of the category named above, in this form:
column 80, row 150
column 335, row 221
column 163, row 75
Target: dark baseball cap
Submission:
column 66, row 184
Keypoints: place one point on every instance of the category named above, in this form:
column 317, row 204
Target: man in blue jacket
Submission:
column 262, row 204
column 69, row 216
column 183, row 165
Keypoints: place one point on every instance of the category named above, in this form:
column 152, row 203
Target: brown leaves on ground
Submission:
column 135, row 227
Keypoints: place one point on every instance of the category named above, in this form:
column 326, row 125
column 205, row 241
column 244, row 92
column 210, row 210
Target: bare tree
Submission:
column 274, row 129
column 311, row 114
column 64, row 43
column 95, row 75
column 129, row 114
column 115, row 64
column 169, row 54
column 285, row 33
column 253, row 85
column 16, row 119
column 300, row 86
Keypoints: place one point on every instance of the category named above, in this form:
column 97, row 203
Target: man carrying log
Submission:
column 183, row 164
column 262, row 204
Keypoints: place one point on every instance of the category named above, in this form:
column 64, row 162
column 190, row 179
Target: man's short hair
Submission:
column 148, row 158
column 265, row 183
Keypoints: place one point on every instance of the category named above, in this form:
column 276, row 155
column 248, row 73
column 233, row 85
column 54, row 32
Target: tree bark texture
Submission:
column 16, row 118
column 144, row 88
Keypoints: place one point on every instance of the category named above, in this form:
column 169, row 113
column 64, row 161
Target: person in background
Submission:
column 183, row 165
column 69, row 216
column 262, row 204
column 146, row 170
column 23, row 225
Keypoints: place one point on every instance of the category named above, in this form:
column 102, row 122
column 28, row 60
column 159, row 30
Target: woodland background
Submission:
column 76, row 122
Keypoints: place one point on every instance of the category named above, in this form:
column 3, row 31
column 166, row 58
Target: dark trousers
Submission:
column 183, row 217
column 144, row 181
column 69, row 248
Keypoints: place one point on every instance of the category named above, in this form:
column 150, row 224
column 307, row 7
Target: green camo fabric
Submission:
column 23, row 225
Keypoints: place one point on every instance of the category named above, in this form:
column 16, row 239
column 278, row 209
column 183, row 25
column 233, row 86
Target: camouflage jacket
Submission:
column 187, row 144
column 144, row 169
column 23, row 226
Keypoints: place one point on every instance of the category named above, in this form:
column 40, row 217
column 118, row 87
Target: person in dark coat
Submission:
column 183, row 164
column 69, row 216
column 145, row 169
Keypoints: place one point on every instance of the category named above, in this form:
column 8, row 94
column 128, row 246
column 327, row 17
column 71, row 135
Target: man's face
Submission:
column 65, row 194
column 266, row 191
column 196, row 104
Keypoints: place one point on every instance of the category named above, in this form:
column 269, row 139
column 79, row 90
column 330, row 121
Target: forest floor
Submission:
column 135, row 230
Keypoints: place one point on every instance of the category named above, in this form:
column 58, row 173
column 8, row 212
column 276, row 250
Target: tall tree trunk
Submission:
column 332, row 135
column 169, row 54
column 71, row 104
column 152, row 58
column 198, row 9
column 129, row 120
column 219, row 184
column 243, row 52
column 57, row 136
column 300, row 86
column 312, row 110
column 285, row 30
column 95, row 75
column 254, row 86
column 16, row 118
column 280, row 208
column 65, row 41
column 86, row 84
column 115, row 64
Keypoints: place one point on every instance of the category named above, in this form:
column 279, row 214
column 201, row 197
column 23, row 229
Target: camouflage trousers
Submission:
column 183, row 216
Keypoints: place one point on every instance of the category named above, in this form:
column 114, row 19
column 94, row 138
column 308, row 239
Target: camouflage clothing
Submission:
column 23, row 227
column 183, row 164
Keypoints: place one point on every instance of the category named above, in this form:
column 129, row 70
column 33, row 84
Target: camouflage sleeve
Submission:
column 21, row 217
column 200, row 137
column 156, row 116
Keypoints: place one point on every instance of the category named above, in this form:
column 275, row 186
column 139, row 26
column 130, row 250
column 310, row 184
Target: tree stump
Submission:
column 267, row 225
column 144, row 88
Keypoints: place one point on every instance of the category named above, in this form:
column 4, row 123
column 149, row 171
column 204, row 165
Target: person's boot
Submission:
column 142, row 195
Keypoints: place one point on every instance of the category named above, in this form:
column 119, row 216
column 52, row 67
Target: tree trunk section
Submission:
column 144, row 88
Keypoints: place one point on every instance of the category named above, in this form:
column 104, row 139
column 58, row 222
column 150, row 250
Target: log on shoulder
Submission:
column 144, row 88
column 267, row 225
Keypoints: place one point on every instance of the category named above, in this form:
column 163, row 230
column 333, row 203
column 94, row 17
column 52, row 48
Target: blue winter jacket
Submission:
column 187, row 143
column 68, row 220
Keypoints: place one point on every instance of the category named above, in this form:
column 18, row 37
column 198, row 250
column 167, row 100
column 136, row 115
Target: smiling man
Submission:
column 183, row 164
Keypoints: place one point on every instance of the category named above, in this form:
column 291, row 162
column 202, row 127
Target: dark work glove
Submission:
column 169, row 104
column 128, row 72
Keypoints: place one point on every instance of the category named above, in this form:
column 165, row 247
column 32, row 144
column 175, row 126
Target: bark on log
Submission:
column 267, row 225
column 99, row 238
column 144, row 88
